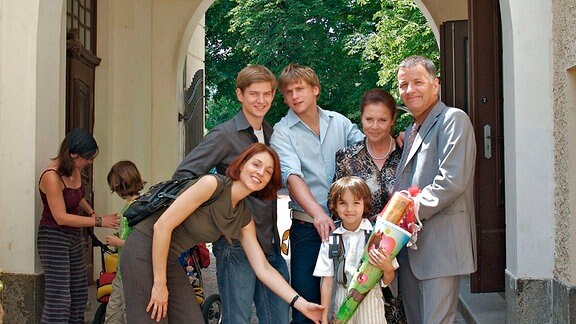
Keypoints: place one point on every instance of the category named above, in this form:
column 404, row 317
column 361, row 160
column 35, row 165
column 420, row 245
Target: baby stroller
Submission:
column 109, row 259
column 193, row 261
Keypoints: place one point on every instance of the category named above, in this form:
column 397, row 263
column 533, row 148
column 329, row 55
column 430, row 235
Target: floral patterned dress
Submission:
column 355, row 160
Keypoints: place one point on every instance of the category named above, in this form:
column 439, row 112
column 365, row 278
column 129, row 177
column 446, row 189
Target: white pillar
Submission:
column 31, row 62
column 529, row 159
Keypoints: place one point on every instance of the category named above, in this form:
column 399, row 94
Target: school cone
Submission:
column 387, row 235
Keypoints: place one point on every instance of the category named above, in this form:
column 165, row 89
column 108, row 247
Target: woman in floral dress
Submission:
column 374, row 159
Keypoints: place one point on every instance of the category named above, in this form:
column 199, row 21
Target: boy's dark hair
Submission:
column 124, row 179
column 357, row 187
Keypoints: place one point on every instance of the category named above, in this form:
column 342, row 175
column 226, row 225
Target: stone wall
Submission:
column 564, row 69
column 22, row 297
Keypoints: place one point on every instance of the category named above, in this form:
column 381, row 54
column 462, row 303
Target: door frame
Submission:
column 486, row 112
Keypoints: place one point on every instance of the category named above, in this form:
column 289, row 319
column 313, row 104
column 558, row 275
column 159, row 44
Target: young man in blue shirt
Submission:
column 306, row 140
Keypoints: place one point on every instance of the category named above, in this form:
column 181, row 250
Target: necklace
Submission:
column 383, row 157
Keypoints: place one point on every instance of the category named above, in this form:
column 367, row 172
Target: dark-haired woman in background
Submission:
column 59, row 237
column 375, row 159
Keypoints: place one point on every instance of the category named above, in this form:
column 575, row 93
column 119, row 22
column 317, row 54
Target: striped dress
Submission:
column 61, row 253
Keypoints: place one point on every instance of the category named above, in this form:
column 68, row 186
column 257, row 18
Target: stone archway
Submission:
column 436, row 13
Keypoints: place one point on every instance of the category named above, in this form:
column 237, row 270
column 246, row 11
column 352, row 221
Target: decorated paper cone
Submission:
column 387, row 236
column 395, row 208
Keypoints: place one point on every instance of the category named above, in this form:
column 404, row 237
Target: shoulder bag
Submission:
column 159, row 196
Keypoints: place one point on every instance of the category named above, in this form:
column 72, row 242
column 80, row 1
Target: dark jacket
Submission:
column 218, row 148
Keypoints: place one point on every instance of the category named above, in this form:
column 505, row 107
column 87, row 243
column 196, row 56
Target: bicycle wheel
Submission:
column 100, row 314
column 212, row 309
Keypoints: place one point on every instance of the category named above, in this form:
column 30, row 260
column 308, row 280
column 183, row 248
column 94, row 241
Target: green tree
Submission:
column 340, row 39
column 276, row 33
column 222, row 64
column 402, row 31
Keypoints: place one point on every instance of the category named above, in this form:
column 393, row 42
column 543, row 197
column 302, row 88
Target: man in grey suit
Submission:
column 439, row 158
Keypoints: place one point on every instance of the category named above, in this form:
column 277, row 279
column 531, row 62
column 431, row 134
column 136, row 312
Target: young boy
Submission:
column 124, row 179
column 350, row 199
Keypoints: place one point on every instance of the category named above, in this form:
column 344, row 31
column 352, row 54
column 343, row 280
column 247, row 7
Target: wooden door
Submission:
column 486, row 111
column 80, row 68
column 454, row 55
column 470, row 80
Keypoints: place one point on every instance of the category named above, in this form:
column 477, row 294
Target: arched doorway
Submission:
column 471, row 80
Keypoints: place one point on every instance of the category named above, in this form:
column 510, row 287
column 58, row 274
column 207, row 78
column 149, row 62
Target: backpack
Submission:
column 337, row 253
column 159, row 196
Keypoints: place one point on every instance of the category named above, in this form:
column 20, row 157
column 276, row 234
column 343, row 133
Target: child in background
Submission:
column 350, row 199
column 123, row 179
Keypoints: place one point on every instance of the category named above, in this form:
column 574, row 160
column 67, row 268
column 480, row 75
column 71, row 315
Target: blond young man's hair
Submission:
column 294, row 73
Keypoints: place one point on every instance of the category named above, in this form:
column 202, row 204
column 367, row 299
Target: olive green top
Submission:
column 207, row 223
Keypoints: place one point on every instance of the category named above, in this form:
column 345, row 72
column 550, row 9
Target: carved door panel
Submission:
column 80, row 66
column 193, row 116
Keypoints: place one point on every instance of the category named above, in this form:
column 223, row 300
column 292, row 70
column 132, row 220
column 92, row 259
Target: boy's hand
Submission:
column 114, row 240
column 381, row 259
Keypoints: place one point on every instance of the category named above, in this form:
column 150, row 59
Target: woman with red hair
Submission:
column 151, row 252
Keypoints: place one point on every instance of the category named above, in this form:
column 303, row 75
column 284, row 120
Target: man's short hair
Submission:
column 297, row 73
column 414, row 60
column 252, row 74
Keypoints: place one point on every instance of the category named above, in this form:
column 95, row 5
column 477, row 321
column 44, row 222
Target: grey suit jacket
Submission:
column 441, row 163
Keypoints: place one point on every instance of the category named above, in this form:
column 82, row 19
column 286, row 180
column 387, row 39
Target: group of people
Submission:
column 332, row 171
column 65, row 212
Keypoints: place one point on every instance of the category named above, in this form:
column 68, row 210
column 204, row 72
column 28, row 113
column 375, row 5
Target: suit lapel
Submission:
column 422, row 133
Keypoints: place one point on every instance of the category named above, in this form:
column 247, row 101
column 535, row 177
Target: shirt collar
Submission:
column 241, row 121
column 365, row 225
column 293, row 119
column 358, row 147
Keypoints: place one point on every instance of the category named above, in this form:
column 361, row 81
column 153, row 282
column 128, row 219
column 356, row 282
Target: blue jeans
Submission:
column 305, row 245
column 239, row 286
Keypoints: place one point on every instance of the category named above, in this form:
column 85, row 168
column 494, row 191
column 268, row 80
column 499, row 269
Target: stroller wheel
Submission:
column 212, row 309
column 100, row 314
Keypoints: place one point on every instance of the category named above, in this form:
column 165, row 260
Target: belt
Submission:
column 302, row 216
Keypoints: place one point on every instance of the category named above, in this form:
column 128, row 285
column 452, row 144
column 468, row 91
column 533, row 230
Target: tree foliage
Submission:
column 401, row 31
column 345, row 41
